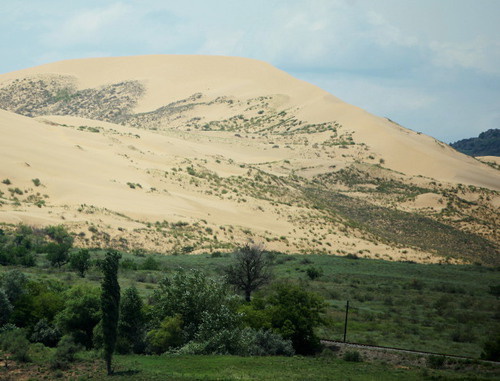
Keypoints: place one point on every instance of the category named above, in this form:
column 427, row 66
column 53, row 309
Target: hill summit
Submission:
column 199, row 153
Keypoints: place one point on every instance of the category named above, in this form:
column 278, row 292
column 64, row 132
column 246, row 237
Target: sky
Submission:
column 431, row 65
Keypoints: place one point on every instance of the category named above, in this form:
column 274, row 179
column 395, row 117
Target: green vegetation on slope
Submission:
column 408, row 229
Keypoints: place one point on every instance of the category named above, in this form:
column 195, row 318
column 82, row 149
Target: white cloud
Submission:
column 392, row 57
column 480, row 55
column 90, row 26
column 379, row 96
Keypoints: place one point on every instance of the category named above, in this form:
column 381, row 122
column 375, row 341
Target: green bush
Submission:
column 150, row 264
column 314, row 272
column 461, row 335
column 352, row 356
column 168, row 335
column 65, row 352
column 129, row 264
column 491, row 349
column 60, row 235
column 45, row 333
column 131, row 325
column 204, row 304
column 14, row 284
column 294, row 314
column 18, row 249
column 265, row 343
column 436, row 362
column 14, row 341
column 80, row 261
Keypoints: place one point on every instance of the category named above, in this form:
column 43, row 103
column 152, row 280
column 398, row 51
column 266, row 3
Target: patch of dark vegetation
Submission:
column 409, row 229
column 23, row 245
column 58, row 95
column 364, row 181
column 486, row 144
column 154, row 119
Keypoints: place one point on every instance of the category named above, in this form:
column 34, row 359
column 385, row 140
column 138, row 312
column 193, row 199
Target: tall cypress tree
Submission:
column 110, row 305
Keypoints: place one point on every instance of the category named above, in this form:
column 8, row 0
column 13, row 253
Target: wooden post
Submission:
column 345, row 324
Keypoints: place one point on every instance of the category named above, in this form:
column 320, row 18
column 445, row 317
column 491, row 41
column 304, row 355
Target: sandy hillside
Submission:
column 489, row 159
column 167, row 79
column 167, row 151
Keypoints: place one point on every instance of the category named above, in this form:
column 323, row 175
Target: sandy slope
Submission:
column 170, row 78
column 77, row 167
column 85, row 177
column 121, row 178
column 490, row 159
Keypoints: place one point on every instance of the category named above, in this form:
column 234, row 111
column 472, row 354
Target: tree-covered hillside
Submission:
column 486, row 144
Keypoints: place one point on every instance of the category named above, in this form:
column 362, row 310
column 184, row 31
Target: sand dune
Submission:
column 170, row 78
column 113, row 175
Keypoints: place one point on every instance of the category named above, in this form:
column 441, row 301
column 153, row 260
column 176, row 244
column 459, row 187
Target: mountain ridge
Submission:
column 486, row 144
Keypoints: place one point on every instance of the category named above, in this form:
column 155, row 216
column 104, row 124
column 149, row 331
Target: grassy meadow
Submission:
column 326, row 366
column 441, row 308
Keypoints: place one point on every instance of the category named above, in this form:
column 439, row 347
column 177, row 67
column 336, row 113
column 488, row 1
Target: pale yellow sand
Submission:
column 81, row 167
column 169, row 78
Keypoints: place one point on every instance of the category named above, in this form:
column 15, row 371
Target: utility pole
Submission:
column 345, row 324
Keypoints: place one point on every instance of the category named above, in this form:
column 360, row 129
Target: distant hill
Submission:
column 486, row 144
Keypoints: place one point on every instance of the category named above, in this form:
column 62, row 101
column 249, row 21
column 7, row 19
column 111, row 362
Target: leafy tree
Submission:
column 110, row 305
column 39, row 300
column 45, row 333
column 14, row 341
column 57, row 253
column 204, row 304
column 294, row 313
column 14, row 284
column 80, row 262
column 250, row 271
column 48, row 300
column 81, row 313
column 5, row 308
column 131, row 324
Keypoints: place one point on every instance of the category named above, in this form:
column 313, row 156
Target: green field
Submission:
column 435, row 308
column 272, row 368
column 323, row 367
column 439, row 308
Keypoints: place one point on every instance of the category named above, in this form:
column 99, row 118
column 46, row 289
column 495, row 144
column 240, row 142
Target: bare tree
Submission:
column 250, row 270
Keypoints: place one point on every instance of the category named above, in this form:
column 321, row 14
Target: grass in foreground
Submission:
column 151, row 368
